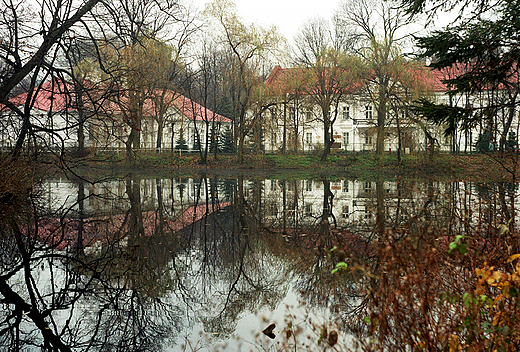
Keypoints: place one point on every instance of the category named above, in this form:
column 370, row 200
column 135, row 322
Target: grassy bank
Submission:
column 356, row 165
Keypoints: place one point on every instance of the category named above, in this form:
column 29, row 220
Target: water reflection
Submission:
column 143, row 264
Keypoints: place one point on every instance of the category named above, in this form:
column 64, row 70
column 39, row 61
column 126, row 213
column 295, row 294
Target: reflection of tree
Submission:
column 232, row 277
column 62, row 299
column 414, row 286
column 133, row 191
column 226, row 250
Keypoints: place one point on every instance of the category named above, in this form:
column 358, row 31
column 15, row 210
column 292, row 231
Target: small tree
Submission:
column 227, row 143
column 181, row 143
column 196, row 143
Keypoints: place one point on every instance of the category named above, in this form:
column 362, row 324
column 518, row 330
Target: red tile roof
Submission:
column 458, row 70
column 290, row 80
column 195, row 111
column 52, row 95
column 187, row 107
column 280, row 79
column 57, row 96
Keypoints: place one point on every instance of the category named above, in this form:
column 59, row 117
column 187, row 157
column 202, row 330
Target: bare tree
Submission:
column 32, row 43
column 124, row 27
column 329, row 73
column 249, row 47
column 375, row 27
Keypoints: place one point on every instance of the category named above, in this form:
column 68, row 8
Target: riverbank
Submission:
column 476, row 167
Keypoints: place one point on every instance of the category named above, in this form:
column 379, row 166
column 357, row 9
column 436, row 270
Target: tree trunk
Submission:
column 160, row 130
column 284, row 141
column 129, row 142
column 381, row 117
column 81, row 123
column 241, row 137
column 327, row 138
column 21, row 137
column 81, row 214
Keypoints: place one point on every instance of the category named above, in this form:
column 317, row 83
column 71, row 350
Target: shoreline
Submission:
column 476, row 167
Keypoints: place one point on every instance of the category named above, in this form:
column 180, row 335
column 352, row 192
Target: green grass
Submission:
column 293, row 160
column 339, row 164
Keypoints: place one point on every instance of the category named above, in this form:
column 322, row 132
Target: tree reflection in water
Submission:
column 136, row 264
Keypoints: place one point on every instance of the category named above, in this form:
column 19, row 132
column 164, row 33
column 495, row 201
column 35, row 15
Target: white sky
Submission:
column 287, row 15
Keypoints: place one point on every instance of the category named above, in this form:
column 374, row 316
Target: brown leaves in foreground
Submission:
column 422, row 297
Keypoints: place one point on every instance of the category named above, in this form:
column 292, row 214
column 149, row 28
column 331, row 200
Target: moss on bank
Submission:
column 481, row 168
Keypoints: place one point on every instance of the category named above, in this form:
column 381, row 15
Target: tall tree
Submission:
column 208, row 88
column 249, row 46
column 484, row 55
column 374, row 27
column 137, row 21
column 328, row 73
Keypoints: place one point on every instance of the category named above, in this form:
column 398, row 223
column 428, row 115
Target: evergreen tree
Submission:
column 227, row 142
column 181, row 143
column 484, row 54
column 196, row 143
column 213, row 140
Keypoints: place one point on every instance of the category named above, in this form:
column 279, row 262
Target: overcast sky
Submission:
column 287, row 15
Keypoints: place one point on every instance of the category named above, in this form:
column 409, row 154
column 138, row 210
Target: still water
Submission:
column 203, row 264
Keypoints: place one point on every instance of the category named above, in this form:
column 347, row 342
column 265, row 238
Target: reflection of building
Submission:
column 280, row 204
column 283, row 204
column 352, row 202
column 111, row 197
column 304, row 198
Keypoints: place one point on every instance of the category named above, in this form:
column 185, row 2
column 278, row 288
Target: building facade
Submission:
column 176, row 123
column 295, row 123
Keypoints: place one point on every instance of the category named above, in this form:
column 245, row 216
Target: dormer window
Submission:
column 346, row 112
column 368, row 112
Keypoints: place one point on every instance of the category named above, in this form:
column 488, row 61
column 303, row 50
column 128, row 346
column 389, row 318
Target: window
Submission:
column 308, row 138
column 368, row 139
column 308, row 115
column 345, row 186
column 367, row 186
column 368, row 112
column 346, row 112
column 273, row 185
column 272, row 209
column 292, row 113
column 346, row 138
column 308, row 209
column 308, row 185
column 345, row 212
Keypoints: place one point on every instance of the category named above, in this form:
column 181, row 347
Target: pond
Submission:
column 209, row 264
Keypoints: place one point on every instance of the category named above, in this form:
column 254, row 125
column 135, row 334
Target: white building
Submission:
column 54, row 119
column 296, row 120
